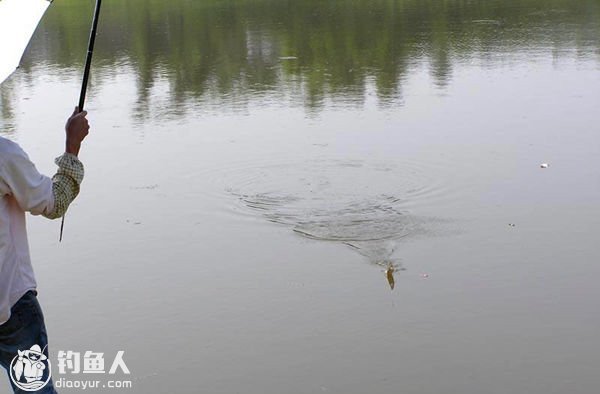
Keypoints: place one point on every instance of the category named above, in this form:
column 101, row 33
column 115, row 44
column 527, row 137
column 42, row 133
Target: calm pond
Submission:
column 324, row 196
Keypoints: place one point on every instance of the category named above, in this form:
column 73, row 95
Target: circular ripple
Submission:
column 365, row 204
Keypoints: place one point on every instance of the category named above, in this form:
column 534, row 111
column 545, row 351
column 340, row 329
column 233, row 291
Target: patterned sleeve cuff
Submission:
column 68, row 164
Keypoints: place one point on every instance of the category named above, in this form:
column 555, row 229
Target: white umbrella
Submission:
column 18, row 20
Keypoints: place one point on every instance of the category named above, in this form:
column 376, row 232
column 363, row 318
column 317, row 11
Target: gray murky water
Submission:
column 325, row 197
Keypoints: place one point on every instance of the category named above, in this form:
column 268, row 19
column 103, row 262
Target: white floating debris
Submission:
column 288, row 58
column 486, row 21
column 544, row 165
column 424, row 276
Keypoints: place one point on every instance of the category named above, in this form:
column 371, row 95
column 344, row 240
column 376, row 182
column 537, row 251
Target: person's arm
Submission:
column 68, row 178
column 65, row 184
column 21, row 180
column 39, row 194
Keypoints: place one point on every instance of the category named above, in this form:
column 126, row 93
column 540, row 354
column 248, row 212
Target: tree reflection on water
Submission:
column 309, row 51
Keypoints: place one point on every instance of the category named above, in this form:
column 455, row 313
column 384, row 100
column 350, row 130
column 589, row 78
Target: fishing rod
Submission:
column 90, row 52
column 86, row 77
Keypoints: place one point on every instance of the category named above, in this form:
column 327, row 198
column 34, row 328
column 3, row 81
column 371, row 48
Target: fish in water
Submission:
column 389, row 274
column 390, row 270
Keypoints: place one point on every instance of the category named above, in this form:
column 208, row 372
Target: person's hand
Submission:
column 77, row 128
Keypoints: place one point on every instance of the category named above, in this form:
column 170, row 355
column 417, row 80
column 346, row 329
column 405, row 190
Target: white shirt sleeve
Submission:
column 20, row 178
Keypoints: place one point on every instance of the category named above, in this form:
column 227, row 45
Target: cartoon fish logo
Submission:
column 30, row 369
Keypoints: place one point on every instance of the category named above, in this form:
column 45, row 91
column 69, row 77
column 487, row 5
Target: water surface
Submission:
column 324, row 197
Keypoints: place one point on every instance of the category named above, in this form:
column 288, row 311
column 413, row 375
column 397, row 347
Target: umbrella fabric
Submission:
column 18, row 20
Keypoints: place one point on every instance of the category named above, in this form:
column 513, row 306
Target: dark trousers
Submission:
column 24, row 329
